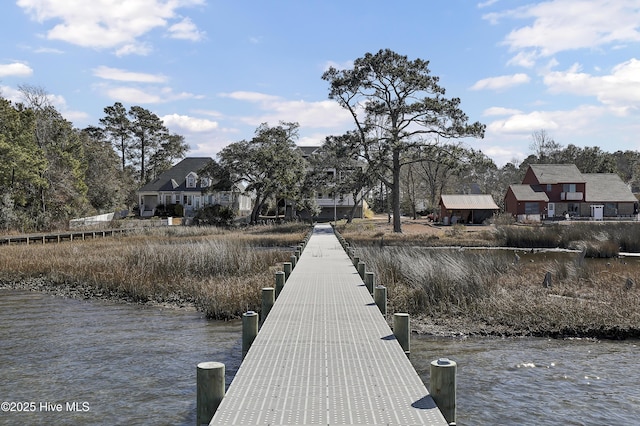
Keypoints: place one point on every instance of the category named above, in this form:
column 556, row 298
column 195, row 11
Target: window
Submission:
column 549, row 187
column 531, row 208
column 205, row 182
column 568, row 187
column 191, row 180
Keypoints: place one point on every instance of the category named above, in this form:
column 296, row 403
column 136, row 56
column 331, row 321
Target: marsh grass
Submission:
column 600, row 239
column 488, row 292
column 221, row 272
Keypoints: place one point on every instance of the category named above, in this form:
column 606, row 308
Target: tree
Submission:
column 172, row 147
column 117, row 126
column 397, row 107
column 65, row 193
column 148, row 131
column 351, row 175
column 268, row 163
column 102, row 173
column 544, row 147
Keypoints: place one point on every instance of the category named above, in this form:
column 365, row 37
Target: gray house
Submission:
column 181, row 185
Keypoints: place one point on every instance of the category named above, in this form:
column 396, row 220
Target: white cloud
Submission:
column 501, row 82
column 16, row 69
column 619, row 90
column 524, row 59
column 577, row 120
column 322, row 114
column 339, row 66
column 105, row 23
column 150, row 95
column 502, row 155
column 561, row 25
column 250, row 96
column 191, row 124
column 10, row 94
column 186, row 30
column 142, row 49
column 487, row 3
column 117, row 74
column 500, row 111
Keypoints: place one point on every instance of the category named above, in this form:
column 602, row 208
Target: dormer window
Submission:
column 205, row 182
column 191, row 180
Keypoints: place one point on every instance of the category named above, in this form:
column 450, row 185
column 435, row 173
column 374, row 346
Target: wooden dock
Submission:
column 59, row 237
column 325, row 355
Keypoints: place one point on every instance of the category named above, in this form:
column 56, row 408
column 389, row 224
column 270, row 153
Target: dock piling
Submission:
column 362, row 267
column 402, row 331
column 268, row 299
column 279, row 282
column 249, row 330
column 210, row 382
column 380, row 297
column 370, row 281
column 442, row 387
column 288, row 267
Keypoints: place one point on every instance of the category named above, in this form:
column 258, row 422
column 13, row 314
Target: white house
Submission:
column 182, row 185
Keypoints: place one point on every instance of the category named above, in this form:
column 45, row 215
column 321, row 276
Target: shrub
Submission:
column 215, row 215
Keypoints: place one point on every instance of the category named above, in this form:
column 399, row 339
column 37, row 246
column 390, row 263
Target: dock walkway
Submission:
column 325, row 355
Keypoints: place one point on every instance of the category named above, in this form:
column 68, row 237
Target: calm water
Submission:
column 130, row 365
column 127, row 365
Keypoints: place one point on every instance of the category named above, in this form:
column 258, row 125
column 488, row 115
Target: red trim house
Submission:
column 560, row 190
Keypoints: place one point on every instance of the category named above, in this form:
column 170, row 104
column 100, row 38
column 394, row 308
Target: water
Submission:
column 121, row 364
column 539, row 381
column 129, row 365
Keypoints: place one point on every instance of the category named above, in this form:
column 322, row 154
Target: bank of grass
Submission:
column 218, row 271
column 599, row 239
column 491, row 293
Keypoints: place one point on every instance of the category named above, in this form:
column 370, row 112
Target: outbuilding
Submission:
column 469, row 208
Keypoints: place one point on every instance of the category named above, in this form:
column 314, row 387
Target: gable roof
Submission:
column 308, row 151
column 607, row 187
column 526, row 193
column 174, row 179
column 468, row 202
column 556, row 173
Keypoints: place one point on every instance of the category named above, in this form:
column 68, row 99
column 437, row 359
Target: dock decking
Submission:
column 325, row 355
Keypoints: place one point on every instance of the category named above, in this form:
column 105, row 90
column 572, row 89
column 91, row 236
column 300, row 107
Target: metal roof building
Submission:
column 471, row 208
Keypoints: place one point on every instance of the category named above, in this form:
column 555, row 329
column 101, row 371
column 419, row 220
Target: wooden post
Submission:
column 210, row 390
column 268, row 299
column 287, row 269
column 293, row 259
column 442, row 383
column 370, row 281
column 361, row 269
column 547, row 280
column 380, row 297
column 356, row 260
column 298, row 253
column 249, row 330
column 402, row 331
column 279, row 282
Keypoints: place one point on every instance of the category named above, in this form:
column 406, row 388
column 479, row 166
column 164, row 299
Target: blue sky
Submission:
column 214, row 70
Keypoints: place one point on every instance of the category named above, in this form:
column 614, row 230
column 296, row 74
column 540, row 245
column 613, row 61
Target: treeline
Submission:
column 51, row 172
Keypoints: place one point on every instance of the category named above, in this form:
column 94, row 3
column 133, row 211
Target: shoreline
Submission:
column 442, row 327
column 89, row 292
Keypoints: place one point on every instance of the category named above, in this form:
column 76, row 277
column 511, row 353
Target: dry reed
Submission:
column 497, row 292
column 219, row 271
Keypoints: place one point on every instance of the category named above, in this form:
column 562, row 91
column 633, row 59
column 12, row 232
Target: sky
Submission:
column 213, row 71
